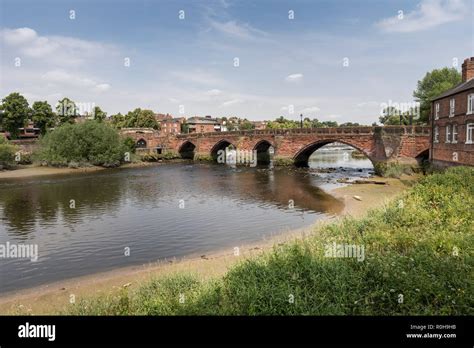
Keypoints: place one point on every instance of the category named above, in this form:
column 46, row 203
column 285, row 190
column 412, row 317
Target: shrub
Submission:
column 7, row 153
column 130, row 144
column 91, row 142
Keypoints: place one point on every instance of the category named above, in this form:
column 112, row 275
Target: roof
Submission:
column 463, row 86
column 194, row 120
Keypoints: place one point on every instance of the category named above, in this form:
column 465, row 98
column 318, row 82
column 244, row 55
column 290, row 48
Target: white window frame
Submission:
column 436, row 111
column 436, row 134
column 448, row 134
column 470, row 127
column 452, row 107
column 470, row 104
column 454, row 136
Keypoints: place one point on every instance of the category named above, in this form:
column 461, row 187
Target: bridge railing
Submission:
column 417, row 130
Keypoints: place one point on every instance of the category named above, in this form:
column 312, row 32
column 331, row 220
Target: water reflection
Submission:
column 141, row 209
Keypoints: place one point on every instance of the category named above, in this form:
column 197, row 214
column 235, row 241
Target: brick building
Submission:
column 203, row 124
column 452, row 121
column 169, row 124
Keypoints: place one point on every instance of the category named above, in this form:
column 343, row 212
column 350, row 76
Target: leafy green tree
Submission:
column 130, row 144
column 184, row 128
column 99, row 115
column 329, row 124
column 90, row 142
column 15, row 113
column 433, row 84
column 141, row 119
column 43, row 116
column 246, row 125
column 118, row 120
column 66, row 110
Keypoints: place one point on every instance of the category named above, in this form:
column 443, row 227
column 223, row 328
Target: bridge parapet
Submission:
column 416, row 130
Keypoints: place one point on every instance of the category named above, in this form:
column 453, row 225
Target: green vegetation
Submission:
column 433, row 84
column 7, row 153
column 395, row 169
column 87, row 143
column 66, row 110
column 137, row 118
column 15, row 113
column 419, row 246
column 43, row 116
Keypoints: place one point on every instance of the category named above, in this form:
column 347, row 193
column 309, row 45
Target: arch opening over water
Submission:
column 332, row 153
column 263, row 151
column 220, row 145
column 187, row 150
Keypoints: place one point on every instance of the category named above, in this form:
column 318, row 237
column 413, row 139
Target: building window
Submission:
column 455, row 134
column 452, row 104
column 470, row 133
column 448, row 134
column 436, row 134
column 436, row 111
column 470, row 103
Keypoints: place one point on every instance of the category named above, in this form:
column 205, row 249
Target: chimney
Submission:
column 468, row 69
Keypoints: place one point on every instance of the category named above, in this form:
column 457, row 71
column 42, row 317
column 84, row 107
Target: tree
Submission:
column 43, row 116
column 118, row 120
column 141, row 119
column 99, row 115
column 90, row 142
column 15, row 113
column 246, row 125
column 66, row 110
column 433, row 84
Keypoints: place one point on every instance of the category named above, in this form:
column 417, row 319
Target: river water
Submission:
column 83, row 224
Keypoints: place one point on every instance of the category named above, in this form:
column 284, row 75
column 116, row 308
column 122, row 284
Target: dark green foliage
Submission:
column 91, row 142
column 15, row 113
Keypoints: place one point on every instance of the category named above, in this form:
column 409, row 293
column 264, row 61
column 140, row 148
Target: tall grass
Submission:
column 418, row 261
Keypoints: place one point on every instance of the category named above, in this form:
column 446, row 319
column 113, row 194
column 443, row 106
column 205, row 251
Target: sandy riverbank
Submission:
column 29, row 171
column 54, row 297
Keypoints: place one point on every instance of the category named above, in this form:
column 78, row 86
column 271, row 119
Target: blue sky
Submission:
column 286, row 66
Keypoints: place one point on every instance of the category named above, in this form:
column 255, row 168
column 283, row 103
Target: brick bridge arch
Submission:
column 301, row 158
column 379, row 144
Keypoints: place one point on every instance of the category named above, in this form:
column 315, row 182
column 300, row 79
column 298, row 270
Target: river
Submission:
column 83, row 224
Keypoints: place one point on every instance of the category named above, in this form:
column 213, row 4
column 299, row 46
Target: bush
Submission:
column 7, row 153
column 130, row 144
column 91, row 142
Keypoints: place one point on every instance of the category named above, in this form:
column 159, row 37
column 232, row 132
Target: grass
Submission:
column 418, row 261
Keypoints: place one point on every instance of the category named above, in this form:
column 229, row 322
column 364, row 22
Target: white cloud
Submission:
column 198, row 76
column 242, row 31
column 368, row 104
column 231, row 102
column 214, row 92
column 311, row 109
column 294, row 77
column 55, row 50
column 102, row 87
column 63, row 78
column 427, row 15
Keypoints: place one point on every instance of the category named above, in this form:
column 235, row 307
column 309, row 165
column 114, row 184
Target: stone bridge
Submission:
column 380, row 144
